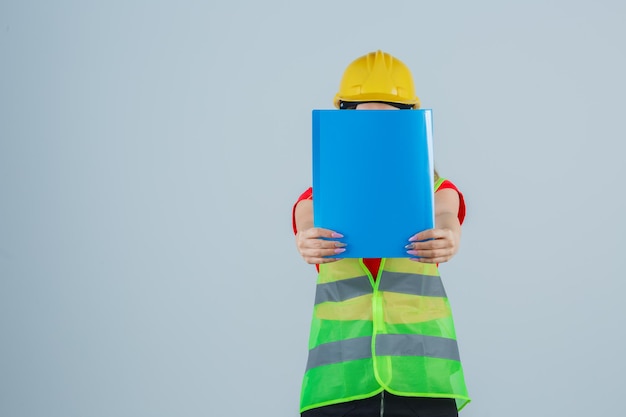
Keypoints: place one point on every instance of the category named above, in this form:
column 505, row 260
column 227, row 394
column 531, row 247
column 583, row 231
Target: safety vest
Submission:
column 392, row 333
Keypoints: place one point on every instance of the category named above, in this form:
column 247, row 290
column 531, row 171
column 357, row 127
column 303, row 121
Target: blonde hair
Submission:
column 436, row 175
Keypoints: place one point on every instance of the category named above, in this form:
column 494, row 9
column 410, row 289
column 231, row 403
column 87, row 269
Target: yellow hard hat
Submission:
column 377, row 76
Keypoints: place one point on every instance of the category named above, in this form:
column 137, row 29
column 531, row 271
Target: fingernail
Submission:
column 412, row 252
column 339, row 250
column 409, row 246
column 335, row 234
column 340, row 244
column 412, row 239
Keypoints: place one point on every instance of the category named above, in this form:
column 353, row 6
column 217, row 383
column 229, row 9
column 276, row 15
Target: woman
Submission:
column 382, row 338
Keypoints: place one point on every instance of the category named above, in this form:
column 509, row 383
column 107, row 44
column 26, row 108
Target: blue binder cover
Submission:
column 373, row 178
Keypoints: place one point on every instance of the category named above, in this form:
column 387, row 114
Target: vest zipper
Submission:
column 382, row 404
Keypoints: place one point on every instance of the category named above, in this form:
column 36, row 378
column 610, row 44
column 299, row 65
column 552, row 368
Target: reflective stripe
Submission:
column 399, row 282
column 416, row 345
column 342, row 290
column 341, row 351
column 386, row 345
column 415, row 284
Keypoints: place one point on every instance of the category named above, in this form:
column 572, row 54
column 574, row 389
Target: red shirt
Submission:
column 374, row 263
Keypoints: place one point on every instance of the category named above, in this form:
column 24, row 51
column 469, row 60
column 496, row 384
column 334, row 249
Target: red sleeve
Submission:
column 307, row 195
column 448, row 184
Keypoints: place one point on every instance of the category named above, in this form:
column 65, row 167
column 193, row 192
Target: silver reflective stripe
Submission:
column 341, row 351
column 386, row 345
column 342, row 290
column 416, row 345
column 414, row 284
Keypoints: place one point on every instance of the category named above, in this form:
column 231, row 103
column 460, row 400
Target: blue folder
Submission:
column 373, row 178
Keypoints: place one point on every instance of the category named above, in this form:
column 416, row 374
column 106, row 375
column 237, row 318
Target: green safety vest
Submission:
column 392, row 333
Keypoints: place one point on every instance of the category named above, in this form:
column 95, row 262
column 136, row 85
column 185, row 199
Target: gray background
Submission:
column 151, row 151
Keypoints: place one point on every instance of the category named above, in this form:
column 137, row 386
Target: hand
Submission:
column 433, row 246
column 316, row 250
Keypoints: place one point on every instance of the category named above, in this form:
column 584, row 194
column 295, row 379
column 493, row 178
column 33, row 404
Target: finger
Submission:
column 313, row 253
column 314, row 243
column 438, row 260
column 434, row 257
column 440, row 243
column 321, row 256
column 318, row 261
column 424, row 235
column 317, row 232
column 432, row 254
column 429, row 234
